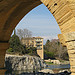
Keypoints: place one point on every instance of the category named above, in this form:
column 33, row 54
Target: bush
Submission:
column 31, row 51
column 49, row 55
column 10, row 50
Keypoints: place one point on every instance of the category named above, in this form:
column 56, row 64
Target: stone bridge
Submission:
column 12, row 11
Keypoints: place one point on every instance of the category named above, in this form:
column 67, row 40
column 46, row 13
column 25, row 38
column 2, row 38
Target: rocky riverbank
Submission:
column 60, row 72
column 24, row 62
column 56, row 62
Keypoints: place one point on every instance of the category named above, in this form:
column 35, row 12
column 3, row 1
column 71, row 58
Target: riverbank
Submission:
column 56, row 62
column 26, row 64
column 23, row 62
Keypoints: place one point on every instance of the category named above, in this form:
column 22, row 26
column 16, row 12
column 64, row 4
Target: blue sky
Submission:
column 41, row 22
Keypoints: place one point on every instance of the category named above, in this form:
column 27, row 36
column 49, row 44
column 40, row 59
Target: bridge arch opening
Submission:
column 42, row 23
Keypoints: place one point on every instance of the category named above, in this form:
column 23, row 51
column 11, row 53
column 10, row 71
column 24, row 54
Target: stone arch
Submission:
column 11, row 12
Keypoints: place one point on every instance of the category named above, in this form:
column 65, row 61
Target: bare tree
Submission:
column 24, row 33
column 20, row 33
column 27, row 33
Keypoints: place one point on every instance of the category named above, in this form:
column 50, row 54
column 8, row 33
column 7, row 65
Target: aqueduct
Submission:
column 12, row 11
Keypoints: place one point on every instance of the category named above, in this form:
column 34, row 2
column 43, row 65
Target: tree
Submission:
column 15, row 45
column 47, row 45
column 54, row 46
column 24, row 33
column 20, row 33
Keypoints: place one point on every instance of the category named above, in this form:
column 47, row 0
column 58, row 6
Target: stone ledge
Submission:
column 71, row 45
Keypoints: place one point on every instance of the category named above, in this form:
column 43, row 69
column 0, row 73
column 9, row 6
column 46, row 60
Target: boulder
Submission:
column 55, row 61
column 47, row 71
column 66, row 70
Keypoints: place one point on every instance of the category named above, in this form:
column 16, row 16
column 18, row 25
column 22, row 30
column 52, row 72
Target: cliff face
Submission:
column 23, row 62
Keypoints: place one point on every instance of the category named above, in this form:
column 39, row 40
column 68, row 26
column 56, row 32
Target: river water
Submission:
column 53, row 67
column 58, row 66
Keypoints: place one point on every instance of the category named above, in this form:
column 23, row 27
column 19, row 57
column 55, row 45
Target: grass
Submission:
column 49, row 63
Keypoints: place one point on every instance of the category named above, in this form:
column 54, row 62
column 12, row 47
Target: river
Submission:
column 66, row 66
column 55, row 68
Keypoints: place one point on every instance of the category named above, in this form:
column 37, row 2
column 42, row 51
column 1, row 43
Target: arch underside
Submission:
column 12, row 11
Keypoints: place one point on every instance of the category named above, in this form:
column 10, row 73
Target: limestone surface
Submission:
column 24, row 62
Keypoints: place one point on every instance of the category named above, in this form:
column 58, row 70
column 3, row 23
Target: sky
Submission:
column 41, row 23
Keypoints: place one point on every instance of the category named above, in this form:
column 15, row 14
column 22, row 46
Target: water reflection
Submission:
column 31, row 72
column 11, row 72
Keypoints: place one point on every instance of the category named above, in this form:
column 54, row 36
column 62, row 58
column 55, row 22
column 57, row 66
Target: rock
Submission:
column 47, row 71
column 55, row 61
column 24, row 62
column 66, row 70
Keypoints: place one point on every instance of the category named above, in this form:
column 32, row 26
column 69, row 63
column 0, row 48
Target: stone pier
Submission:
column 68, row 40
column 3, row 47
column 70, row 43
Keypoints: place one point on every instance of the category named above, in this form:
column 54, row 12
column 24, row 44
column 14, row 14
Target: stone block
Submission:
column 72, row 68
column 65, row 18
column 45, row 2
column 61, row 12
column 71, row 52
column 72, row 73
column 71, row 45
column 61, row 38
column 69, row 25
column 69, row 36
column 72, row 61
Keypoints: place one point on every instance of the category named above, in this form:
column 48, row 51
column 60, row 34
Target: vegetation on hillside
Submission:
column 54, row 49
column 17, row 48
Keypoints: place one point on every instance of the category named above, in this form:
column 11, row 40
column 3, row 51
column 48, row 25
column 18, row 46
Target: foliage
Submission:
column 17, row 47
column 49, row 63
column 9, row 50
column 55, row 49
column 49, row 55
column 31, row 51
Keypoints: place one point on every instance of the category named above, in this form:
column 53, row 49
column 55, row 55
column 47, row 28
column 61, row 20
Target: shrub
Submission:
column 49, row 55
column 10, row 50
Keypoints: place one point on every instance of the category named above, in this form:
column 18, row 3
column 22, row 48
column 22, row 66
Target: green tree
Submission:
column 47, row 45
column 31, row 50
column 15, row 45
